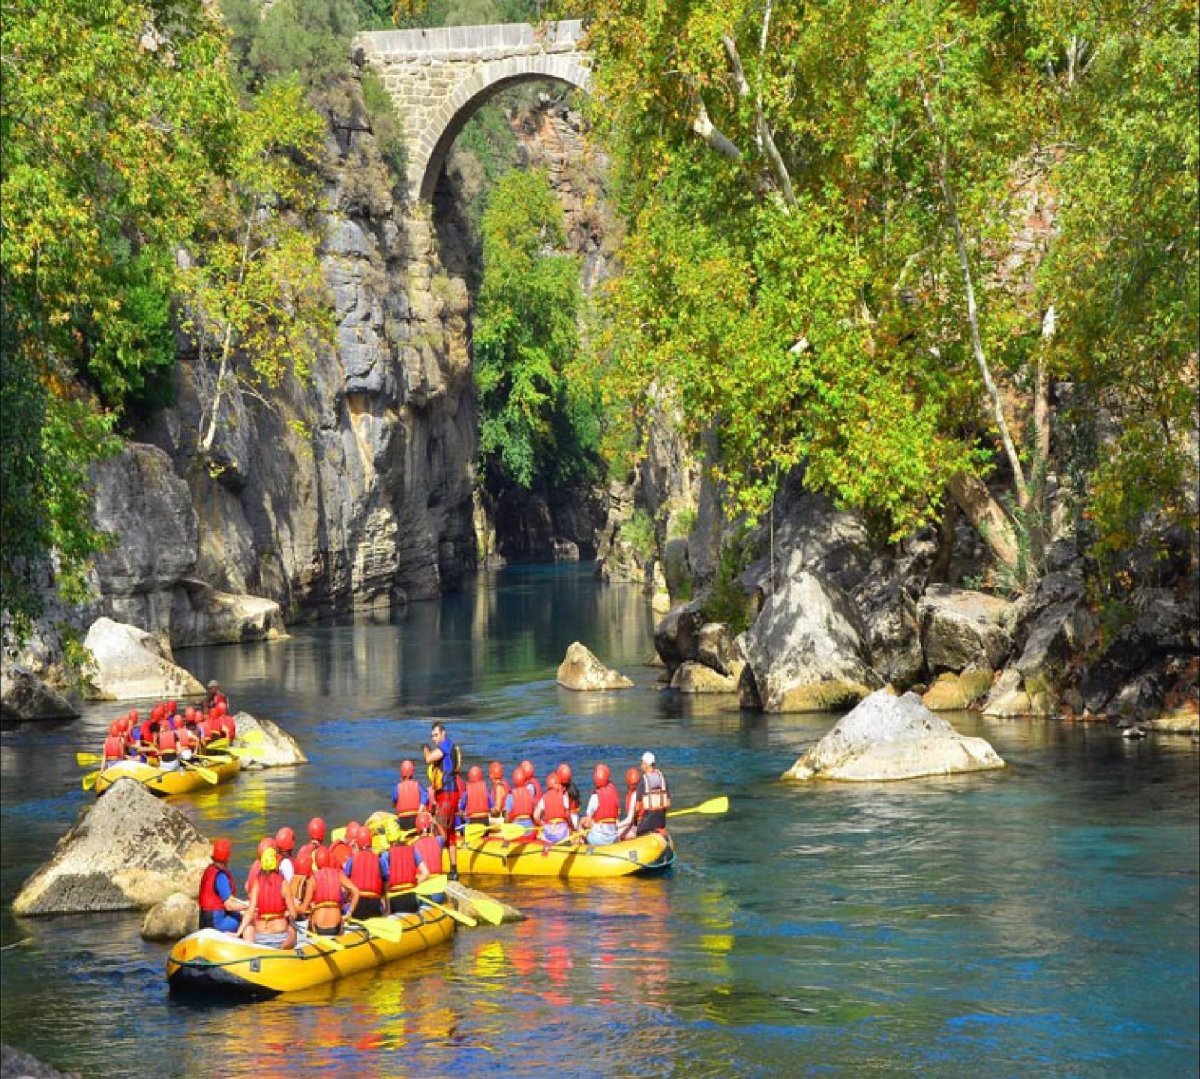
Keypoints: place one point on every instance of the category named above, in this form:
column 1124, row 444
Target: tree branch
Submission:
column 766, row 143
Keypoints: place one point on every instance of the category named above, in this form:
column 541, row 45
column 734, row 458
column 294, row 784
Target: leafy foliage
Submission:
column 539, row 417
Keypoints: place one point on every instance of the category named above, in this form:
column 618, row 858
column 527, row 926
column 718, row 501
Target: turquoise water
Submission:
column 1040, row 920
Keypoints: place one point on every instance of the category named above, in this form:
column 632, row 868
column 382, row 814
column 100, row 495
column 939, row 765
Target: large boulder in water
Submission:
column 276, row 748
column 131, row 663
column 886, row 738
column 172, row 919
column 23, row 695
column 806, row 649
column 128, row 851
column 677, row 636
column 581, row 670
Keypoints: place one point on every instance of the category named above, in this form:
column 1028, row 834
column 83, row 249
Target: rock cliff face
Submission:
column 371, row 504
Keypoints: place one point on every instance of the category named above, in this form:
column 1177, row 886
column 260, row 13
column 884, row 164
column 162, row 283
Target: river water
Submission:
column 1043, row 919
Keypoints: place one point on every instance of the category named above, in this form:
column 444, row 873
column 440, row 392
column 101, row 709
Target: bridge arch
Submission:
column 438, row 78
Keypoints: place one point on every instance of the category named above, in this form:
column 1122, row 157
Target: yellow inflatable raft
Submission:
column 209, row 961
column 493, row 856
column 173, row 781
column 483, row 853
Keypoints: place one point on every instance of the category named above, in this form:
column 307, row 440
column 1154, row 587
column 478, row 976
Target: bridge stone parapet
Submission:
column 439, row 77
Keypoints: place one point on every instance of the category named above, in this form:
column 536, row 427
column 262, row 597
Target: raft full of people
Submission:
column 169, row 751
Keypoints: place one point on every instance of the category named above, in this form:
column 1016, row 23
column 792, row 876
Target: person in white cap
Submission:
column 653, row 797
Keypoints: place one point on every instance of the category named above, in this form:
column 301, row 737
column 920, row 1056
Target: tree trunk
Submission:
column 987, row 516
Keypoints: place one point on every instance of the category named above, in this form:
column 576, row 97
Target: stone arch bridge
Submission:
column 438, row 78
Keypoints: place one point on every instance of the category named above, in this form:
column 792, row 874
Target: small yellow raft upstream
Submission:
column 494, row 856
column 168, row 781
column 211, row 962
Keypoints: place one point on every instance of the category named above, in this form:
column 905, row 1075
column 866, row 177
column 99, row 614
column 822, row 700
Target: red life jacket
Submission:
column 114, row 747
column 167, row 740
column 364, row 872
column 402, row 866
column 608, row 804
column 146, row 732
column 210, row 899
column 187, row 739
column 327, row 887
column 522, row 803
column 270, row 895
column 429, row 847
column 477, row 800
column 408, row 797
column 230, row 726
column 554, row 806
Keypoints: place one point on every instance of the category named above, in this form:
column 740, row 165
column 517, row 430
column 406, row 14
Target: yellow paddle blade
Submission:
column 86, row 759
column 457, row 915
column 488, row 909
column 89, row 781
column 207, row 774
column 384, row 928
column 513, row 831
column 337, row 835
column 325, row 944
column 713, row 805
column 432, row 885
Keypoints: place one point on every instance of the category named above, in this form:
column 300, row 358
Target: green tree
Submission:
column 258, row 306
column 114, row 115
column 538, row 409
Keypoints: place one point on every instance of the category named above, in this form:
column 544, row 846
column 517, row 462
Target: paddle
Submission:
column 326, row 944
column 89, row 780
column 206, row 774
column 713, row 805
column 384, row 928
column 457, row 915
column 488, row 909
column 86, row 759
column 431, row 885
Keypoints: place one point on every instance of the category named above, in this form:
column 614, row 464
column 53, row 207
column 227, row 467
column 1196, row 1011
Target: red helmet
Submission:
column 518, row 776
column 601, row 776
column 552, row 781
column 222, row 849
column 527, row 768
column 351, row 831
column 633, row 777
column 495, row 770
column 303, row 862
column 564, row 773
column 322, row 857
column 133, row 715
column 220, row 708
column 316, row 829
column 475, row 773
column 172, row 707
column 115, row 727
column 285, row 839
column 266, row 843
column 424, row 821
column 406, row 770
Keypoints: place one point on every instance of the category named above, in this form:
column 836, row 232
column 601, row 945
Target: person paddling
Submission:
column 218, row 892
column 364, row 869
column 214, row 696
column 331, row 889
column 568, row 786
column 399, row 866
column 427, row 847
column 114, row 744
column 518, row 807
column 498, row 788
column 316, row 836
column 475, row 805
column 270, row 912
column 654, row 797
column 554, row 814
column 443, row 757
column 408, row 797
column 602, row 815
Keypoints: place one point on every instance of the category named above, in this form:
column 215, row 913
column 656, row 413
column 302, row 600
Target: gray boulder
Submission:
column 581, row 670
column 677, row 635
column 130, row 663
column 952, row 692
column 277, row 748
column 127, row 851
column 172, row 919
column 719, row 649
column 888, row 738
column 806, row 649
column 203, row 615
column 961, row 629
column 23, row 695
column 17, row 1065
